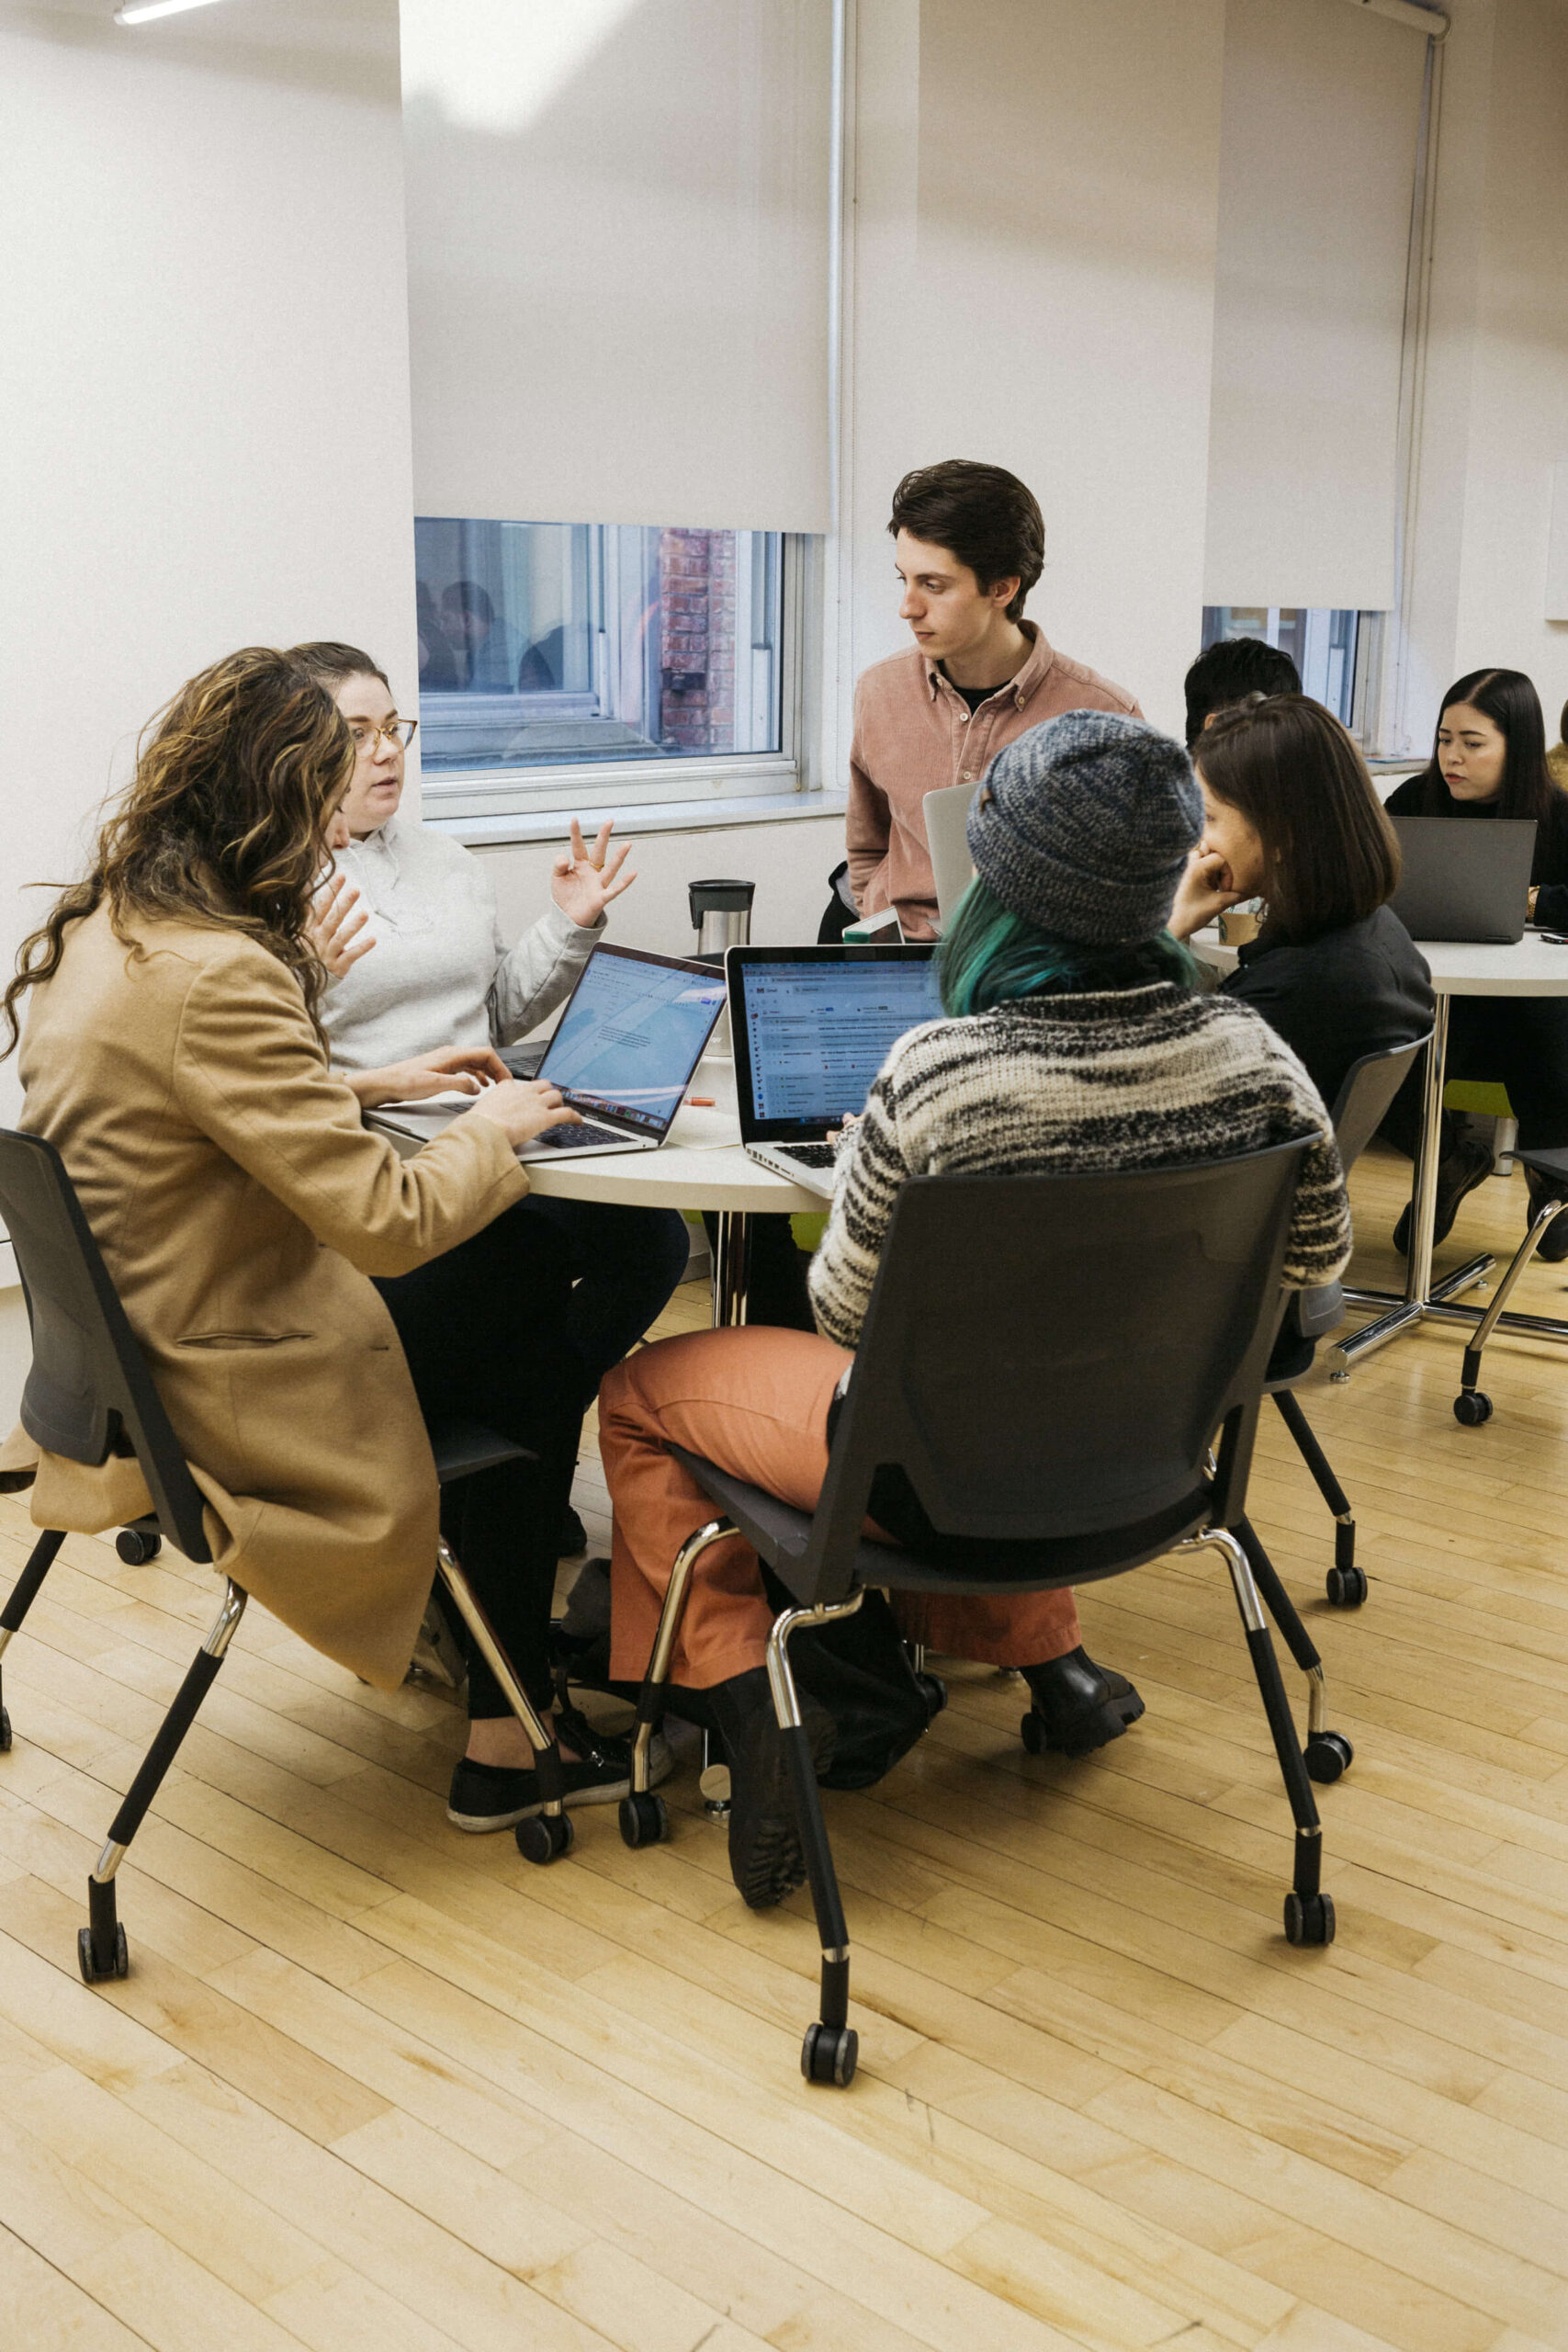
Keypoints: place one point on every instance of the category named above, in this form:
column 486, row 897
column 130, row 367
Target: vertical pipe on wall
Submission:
column 1394, row 734
column 837, row 653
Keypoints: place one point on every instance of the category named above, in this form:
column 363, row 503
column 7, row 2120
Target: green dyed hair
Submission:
column 990, row 956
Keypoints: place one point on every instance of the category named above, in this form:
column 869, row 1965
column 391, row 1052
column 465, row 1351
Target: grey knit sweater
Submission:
column 1142, row 1078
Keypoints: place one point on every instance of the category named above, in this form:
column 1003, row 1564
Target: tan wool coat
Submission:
column 241, row 1206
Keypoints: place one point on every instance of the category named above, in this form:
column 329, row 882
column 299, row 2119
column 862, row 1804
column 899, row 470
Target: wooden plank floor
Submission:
column 374, row 2084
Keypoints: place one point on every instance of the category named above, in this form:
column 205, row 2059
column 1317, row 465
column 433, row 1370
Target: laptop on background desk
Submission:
column 623, row 1054
column 1460, row 881
column 811, row 1027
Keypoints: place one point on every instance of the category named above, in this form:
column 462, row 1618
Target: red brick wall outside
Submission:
column 696, row 586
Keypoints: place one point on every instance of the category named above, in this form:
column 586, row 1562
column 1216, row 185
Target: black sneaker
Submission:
column 1458, row 1174
column 1552, row 1246
column 571, row 1536
column 765, row 1857
column 1078, row 1706
column 497, row 1796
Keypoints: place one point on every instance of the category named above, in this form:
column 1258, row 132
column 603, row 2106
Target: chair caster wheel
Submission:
column 91, row 1972
column 544, row 1836
column 933, row 1690
column 1471, row 1408
column 135, row 1547
column 1328, row 1756
column 829, row 2053
column 1309, row 1918
column 645, row 1820
column 1032, row 1731
column 1346, row 1587
column 5, row 1733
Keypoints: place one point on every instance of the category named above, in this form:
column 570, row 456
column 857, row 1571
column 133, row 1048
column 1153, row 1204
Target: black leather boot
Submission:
column 1077, row 1706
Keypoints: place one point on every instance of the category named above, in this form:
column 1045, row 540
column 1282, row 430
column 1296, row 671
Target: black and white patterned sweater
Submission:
column 1139, row 1078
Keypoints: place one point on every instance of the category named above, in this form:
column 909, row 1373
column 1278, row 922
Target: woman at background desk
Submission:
column 1489, row 760
column 441, row 975
column 1291, row 816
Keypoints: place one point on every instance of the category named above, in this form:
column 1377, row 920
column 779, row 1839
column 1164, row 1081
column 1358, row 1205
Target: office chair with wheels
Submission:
column 1369, row 1088
column 1046, row 1360
column 89, row 1394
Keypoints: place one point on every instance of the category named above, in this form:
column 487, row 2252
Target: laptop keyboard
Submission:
column 573, row 1139
column 811, row 1155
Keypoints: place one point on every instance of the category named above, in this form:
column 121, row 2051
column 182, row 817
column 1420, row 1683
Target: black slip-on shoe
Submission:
column 571, row 1536
column 497, row 1796
column 1078, row 1706
column 1460, row 1173
column 766, row 1859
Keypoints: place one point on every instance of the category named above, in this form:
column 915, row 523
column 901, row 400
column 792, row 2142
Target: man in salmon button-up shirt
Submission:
column 970, row 543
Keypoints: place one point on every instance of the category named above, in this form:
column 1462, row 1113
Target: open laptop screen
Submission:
column 811, row 1030
column 631, row 1036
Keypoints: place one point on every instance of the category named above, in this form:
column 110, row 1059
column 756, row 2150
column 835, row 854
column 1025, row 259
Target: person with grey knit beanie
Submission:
column 1057, row 974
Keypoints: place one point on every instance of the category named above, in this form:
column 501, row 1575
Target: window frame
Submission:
column 498, row 794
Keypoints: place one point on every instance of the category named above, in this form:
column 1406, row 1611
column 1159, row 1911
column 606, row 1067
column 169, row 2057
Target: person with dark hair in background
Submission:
column 970, row 543
column 1557, row 758
column 1227, row 672
column 486, row 648
column 437, row 663
column 1291, row 816
column 1489, row 760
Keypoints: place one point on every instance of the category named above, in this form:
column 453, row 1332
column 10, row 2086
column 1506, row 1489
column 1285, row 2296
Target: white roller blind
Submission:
column 1319, row 125
column 619, row 217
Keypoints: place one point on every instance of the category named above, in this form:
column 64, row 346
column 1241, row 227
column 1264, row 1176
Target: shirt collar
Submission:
column 1021, row 686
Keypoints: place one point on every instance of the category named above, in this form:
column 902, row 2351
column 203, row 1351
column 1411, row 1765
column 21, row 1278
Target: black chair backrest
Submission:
column 1049, row 1357
column 89, row 1392
column 1370, row 1087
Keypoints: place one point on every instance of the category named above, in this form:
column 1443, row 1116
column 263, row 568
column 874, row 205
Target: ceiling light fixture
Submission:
column 142, row 12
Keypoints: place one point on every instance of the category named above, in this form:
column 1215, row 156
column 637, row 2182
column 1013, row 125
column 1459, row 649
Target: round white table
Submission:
column 701, row 1165
column 1532, row 967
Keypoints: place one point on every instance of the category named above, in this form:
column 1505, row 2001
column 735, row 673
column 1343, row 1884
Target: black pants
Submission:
column 484, row 1330
column 624, row 1263
column 1520, row 1041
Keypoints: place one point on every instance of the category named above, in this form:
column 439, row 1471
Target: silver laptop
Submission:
column 811, row 1027
column 1464, row 881
column 634, row 1030
column 947, row 813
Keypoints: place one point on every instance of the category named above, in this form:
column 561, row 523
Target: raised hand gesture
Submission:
column 583, row 881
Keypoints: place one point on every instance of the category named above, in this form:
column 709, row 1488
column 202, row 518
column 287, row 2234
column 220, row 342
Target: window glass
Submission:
column 1321, row 641
column 542, row 644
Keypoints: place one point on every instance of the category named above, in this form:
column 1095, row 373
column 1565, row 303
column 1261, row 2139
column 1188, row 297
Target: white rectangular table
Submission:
column 1531, row 967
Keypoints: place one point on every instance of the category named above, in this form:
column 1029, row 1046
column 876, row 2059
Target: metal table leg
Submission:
column 731, row 1268
column 1417, row 1300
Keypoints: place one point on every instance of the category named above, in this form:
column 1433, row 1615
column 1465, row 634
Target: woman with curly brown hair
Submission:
column 174, row 1055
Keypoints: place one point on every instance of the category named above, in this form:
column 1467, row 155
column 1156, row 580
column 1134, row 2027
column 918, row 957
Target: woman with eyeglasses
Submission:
column 173, row 1055
column 418, row 961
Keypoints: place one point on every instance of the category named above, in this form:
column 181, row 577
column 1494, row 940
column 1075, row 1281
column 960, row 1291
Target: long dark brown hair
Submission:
column 1509, row 700
column 223, row 822
column 1331, row 850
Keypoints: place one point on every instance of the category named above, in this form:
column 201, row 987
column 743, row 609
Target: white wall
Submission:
column 1031, row 283
column 1496, row 406
column 204, row 404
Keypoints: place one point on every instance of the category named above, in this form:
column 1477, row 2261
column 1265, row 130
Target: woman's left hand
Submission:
column 465, row 1069
column 582, row 884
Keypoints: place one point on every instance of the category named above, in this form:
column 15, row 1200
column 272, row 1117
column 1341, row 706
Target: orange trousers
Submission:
column 755, row 1402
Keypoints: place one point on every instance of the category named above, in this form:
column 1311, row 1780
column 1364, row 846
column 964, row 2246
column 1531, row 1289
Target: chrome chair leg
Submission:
column 831, row 2047
column 644, row 1817
column 1309, row 1913
column 550, row 1831
column 100, row 1946
column 1472, row 1407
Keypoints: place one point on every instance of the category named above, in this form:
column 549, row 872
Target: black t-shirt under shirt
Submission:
column 975, row 695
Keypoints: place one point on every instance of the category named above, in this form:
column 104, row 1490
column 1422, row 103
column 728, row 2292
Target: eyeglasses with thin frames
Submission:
column 398, row 734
